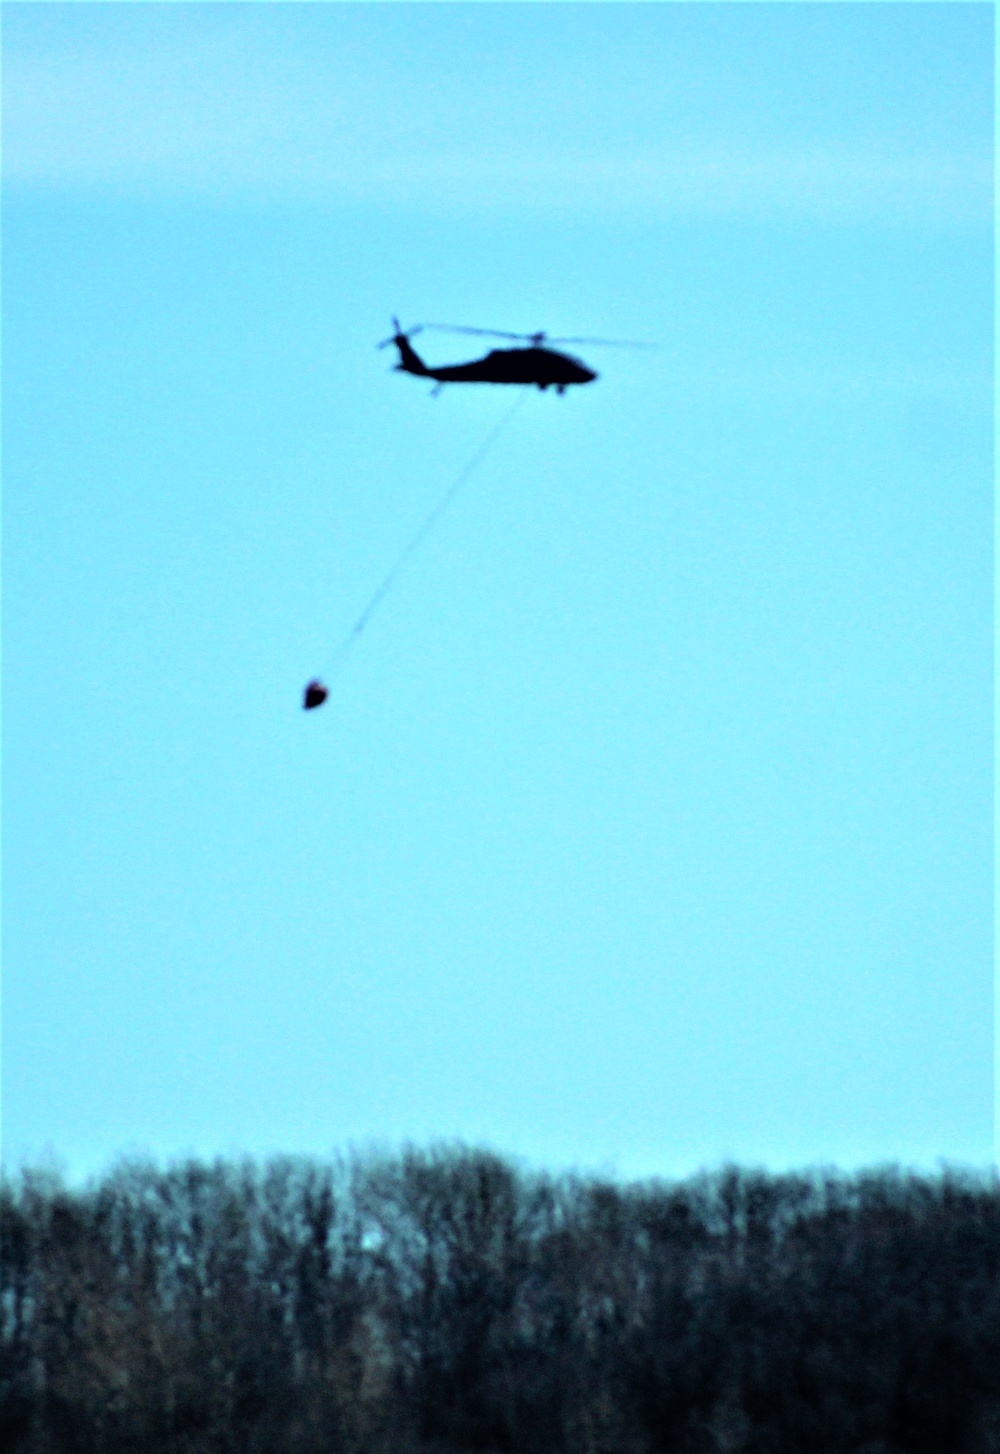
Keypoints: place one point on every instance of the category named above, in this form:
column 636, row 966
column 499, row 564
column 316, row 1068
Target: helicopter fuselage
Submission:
column 542, row 367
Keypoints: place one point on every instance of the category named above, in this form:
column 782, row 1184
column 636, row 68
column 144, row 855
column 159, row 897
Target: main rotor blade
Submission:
column 482, row 332
column 539, row 338
column 605, row 342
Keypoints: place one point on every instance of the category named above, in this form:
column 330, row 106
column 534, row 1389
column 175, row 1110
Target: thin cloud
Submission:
column 214, row 114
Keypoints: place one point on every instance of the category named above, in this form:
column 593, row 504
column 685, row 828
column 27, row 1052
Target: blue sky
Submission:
column 649, row 822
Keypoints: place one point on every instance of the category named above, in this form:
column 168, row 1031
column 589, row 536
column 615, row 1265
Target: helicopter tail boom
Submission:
column 410, row 361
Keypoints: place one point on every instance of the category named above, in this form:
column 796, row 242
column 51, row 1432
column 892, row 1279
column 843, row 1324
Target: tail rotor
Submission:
column 400, row 334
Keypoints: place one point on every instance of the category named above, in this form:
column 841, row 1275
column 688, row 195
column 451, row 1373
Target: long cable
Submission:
column 386, row 585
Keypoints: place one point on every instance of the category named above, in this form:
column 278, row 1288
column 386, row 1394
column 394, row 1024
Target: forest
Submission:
column 449, row 1301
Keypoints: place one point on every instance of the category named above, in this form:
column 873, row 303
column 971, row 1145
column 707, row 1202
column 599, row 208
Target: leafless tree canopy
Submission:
column 446, row 1302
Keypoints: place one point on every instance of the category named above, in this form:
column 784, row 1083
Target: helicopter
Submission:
column 537, row 365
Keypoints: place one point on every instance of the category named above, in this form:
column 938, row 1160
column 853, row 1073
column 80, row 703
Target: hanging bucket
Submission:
column 314, row 696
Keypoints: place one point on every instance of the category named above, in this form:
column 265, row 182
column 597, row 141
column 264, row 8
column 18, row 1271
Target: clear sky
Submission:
column 649, row 822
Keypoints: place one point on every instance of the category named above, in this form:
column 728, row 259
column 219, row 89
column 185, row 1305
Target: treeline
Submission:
column 447, row 1301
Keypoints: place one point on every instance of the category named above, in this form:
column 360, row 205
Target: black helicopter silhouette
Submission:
column 538, row 365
